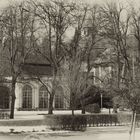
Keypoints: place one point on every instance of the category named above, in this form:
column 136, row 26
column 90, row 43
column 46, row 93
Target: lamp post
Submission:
column 100, row 76
column 101, row 101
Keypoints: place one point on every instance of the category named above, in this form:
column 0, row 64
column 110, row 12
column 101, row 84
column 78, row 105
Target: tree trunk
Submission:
column 72, row 108
column 132, row 129
column 83, row 110
column 72, row 112
column 13, row 98
column 139, row 50
column 118, row 69
column 72, row 103
column 83, row 106
column 50, row 109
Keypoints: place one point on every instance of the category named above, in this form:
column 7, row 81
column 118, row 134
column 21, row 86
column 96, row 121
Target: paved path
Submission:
column 100, row 133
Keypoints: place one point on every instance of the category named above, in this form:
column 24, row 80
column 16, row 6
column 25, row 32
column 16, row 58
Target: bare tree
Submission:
column 55, row 19
column 72, row 70
column 17, row 32
column 92, row 47
column 117, row 30
column 135, row 30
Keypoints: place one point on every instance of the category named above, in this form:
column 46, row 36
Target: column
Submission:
column 36, row 97
column 18, row 92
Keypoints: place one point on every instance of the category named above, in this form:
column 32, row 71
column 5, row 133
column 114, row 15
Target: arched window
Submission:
column 59, row 98
column 27, row 97
column 43, row 97
column 4, row 97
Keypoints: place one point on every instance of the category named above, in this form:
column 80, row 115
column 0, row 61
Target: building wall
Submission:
column 35, row 95
column 99, row 72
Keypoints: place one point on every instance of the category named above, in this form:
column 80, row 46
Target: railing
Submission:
column 4, row 113
column 108, row 120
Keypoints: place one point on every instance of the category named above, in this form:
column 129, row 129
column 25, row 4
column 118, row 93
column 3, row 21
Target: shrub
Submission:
column 79, row 122
column 93, row 108
column 66, row 122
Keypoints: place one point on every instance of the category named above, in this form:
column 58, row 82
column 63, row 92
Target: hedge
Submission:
column 66, row 122
column 80, row 122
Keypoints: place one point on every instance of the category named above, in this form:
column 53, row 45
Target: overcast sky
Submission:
column 136, row 3
column 3, row 3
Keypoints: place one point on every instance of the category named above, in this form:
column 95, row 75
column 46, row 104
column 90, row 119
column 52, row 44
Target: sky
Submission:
column 136, row 3
column 3, row 3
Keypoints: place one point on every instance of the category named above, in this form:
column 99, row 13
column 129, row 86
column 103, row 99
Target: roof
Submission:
column 36, row 58
column 34, row 69
column 35, row 64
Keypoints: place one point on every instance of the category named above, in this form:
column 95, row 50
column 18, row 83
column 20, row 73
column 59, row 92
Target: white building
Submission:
column 30, row 93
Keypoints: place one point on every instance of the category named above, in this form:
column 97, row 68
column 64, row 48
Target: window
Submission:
column 43, row 97
column 59, row 98
column 4, row 99
column 27, row 97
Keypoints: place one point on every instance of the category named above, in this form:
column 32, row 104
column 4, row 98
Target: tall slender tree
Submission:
column 17, row 32
column 117, row 29
column 55, row 18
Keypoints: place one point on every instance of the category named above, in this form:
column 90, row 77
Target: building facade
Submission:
column 31, row 95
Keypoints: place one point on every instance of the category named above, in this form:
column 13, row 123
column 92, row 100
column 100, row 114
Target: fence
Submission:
column 4, row 113
column 90, row 120
column 108, row 119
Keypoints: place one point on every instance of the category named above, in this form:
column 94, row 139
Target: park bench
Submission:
column 4, row 113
